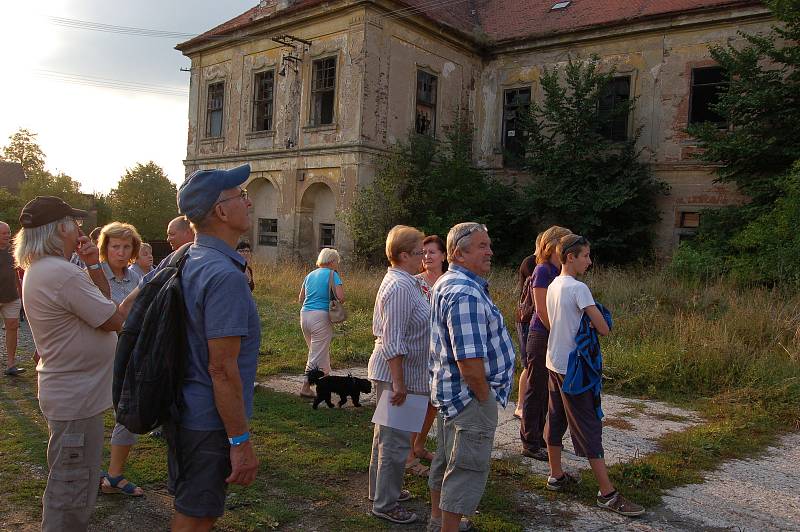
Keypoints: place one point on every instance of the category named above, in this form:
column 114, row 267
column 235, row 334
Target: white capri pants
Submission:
column 318, row 332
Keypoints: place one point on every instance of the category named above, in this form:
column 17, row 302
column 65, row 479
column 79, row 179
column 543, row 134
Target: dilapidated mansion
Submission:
column 311, row 92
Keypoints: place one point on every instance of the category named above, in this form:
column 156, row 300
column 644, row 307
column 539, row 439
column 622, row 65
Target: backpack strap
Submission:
column 179, row 256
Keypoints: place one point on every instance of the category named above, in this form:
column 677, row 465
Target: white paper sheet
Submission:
column 409, row 416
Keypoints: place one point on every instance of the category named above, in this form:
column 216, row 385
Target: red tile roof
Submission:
column 501, row 20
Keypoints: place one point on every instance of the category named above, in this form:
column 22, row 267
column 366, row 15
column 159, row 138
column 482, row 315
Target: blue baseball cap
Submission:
column 198, row 194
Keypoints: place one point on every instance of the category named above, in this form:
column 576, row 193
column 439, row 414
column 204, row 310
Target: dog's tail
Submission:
column 314, row 375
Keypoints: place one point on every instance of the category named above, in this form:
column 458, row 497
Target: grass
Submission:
column 732, row 354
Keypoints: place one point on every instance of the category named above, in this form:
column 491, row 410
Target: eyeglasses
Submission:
column 417, row 253
column 470, row 231
column 581, row 241
column 78, row 221
column 242, row 195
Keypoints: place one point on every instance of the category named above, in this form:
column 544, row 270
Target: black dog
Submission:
column 344, row 387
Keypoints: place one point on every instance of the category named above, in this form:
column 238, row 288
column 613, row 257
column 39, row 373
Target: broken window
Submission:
column 268, row 232
column 327, row 235
column 516, row 103
column 613, row 108
column 687, row 224
column 323, row 91
column 707, row 84
column 214, row 108
column 263, row 97
column 425, row 119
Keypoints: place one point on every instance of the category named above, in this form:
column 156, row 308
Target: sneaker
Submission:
column 13, row 371
column 558, row 484
column 539, row 454
column 397, row 515
column 619, row 504
column 435, row 525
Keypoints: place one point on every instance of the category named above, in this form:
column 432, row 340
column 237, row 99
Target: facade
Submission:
column 310, row 93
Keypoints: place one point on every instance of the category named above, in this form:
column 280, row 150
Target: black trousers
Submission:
column 534, row 403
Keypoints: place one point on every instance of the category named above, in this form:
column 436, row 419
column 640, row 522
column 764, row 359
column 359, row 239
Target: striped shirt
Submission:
column 120, row 288
column 465, row 324
column 401, row 325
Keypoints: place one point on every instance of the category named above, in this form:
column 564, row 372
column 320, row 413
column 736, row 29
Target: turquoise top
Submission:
column 316, row 285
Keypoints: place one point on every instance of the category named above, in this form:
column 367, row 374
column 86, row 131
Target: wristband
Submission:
column 238, row 440
column 93, row 266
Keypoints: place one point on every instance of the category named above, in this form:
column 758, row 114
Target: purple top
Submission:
column 542, row 276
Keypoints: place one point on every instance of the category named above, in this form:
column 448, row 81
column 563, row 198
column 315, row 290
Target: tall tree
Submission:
column 145, row 197
column 581, row 178
column 22, row 148
column 44, row 183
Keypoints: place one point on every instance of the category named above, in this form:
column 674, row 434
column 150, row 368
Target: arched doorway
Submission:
column 317, row 220
column 264, row 197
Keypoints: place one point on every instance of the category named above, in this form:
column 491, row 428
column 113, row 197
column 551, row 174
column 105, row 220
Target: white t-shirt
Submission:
column 566, row 299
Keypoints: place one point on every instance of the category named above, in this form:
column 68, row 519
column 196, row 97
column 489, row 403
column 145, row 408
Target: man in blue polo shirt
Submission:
column 472, row 367
column 210, row 447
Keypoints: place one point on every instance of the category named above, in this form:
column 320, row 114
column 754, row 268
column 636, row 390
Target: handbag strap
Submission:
column 332, row 294
column 526, row 291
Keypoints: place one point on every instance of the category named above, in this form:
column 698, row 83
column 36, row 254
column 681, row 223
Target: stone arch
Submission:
column 265, row 197
column 317, row 220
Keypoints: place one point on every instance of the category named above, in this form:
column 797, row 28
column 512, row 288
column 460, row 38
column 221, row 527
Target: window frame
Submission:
column 722, row 123
column 506, row 120
column 269, row 102
column 322, row 231
column 268, row 234
column 624, row 120
column 211, row 110
column 315, row 92
column 432, row 105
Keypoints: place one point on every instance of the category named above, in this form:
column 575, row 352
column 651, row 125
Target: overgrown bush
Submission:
column 432, row 185
column 582, row 179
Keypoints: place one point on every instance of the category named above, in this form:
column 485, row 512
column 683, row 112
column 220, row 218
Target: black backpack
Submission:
column 151, row 352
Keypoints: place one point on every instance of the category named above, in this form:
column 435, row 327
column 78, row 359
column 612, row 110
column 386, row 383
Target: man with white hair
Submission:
column 9, row 300
column 473, row 369
column 74, row 324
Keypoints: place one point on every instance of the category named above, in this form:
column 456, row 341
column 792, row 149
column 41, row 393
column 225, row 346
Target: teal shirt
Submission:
column 316, row 286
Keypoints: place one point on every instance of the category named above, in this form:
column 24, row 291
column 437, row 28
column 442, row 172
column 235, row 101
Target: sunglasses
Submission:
column 581, row 241
column 470, row 231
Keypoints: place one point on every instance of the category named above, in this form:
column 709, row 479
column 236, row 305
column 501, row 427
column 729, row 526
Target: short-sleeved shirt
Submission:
column 218, row 305
column 317, row 289
column 465, row 323
column 64, row 309
column 566, row 300
column 120, row 288
column 542, row 276
column 401, row 326
column 8, row 277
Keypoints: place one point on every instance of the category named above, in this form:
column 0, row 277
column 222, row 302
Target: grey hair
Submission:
column 32, row 243
column 461, row 234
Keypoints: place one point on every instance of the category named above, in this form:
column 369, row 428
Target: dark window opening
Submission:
column 214, row 107
column 425, row 116
column 613, row 109
column 516, row 103
column 327, row 235
column 268, row 232
column 707, row 85
column 323, row 91
column 263, row 98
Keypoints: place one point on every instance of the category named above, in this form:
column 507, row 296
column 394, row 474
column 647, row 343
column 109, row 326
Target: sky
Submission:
column 95, row 133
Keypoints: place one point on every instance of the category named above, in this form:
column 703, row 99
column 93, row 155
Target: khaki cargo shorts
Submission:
column 10, row 310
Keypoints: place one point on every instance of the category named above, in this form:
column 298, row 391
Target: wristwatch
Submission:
column 238, row 440
column 93, row 266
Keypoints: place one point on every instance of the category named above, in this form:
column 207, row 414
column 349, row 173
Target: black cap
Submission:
column 43, row 210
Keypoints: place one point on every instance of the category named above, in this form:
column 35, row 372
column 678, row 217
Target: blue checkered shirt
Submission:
column 465, row 323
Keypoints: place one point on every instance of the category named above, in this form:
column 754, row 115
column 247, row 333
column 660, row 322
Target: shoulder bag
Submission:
column 525, row 307
column 336, row 311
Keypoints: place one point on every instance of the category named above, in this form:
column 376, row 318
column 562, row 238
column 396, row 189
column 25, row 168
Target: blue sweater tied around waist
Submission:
column 585, row 367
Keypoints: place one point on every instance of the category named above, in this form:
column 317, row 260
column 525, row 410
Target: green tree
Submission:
column 10, row 206
column 22, row 148
column 46, row 184
column 580, row 179
column 757, row 153
column 145, row 197
column 431, row 185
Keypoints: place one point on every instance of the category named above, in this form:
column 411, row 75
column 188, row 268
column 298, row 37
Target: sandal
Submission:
column 110, row 485
column 416, row 468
